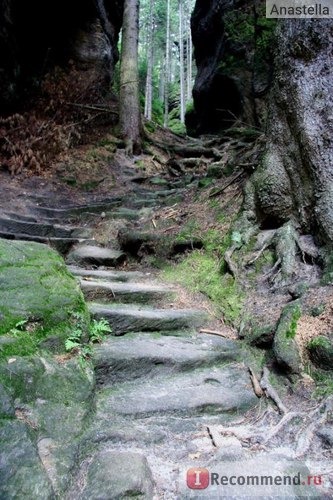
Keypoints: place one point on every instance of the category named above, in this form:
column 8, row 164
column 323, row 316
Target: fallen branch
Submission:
column 92, row 108
column 223, row 188
column 214, row 332
column 170, row 229
column 270, row 392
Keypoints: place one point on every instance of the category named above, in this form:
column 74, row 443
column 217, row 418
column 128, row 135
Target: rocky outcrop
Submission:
column 232, row 54
column 34, row 37
column 36, row 288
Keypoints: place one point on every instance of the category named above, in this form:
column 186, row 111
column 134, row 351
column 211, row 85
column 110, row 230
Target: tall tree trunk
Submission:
column 292, row 189
column 167, row 68
column 189, row 63
column 150, row 63
column 129, row 106
column 181, row 61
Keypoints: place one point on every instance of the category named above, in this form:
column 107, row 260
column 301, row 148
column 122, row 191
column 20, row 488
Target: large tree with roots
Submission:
column 290, row 195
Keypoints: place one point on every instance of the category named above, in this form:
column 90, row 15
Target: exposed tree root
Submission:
column 255, row 384
column 229, row 262
column 295, row 430
column 270, row 392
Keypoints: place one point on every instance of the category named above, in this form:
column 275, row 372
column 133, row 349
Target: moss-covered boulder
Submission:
column 45, row 405
column 321, row 351
column 35, row 286
column 285, row 346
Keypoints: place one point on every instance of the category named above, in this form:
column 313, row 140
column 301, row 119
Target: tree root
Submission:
column 229, row 262
column 284, row 430
column 270, row 392
column 283, row 422
column 255, row 384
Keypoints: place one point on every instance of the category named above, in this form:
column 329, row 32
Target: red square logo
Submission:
column 197, row 478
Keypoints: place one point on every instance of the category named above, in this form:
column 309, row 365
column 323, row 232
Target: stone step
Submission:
column 139, row 203
column 120, row 359
column 124, row 213
column 210, row 390
column 43, row 229
column 123, row 292
column 131, row 318
column 62, row 245
column 94, row 255
column 22, row 217
column 122, row 276
column 68, row 212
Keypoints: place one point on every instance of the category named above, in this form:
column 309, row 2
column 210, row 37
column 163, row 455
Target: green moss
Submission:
column 38, row 290
column 200, row 272
column 323, row 380
column 292, row 327
column 285, row 347
column 319, row 341
column 189, row 231
column 317, row 310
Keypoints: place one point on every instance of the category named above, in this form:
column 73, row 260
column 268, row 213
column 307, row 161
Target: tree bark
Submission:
column 299, row 149
column 150, row 63
column 129, row 107
column 181, row 62
column 293, row 185
column 167, row 68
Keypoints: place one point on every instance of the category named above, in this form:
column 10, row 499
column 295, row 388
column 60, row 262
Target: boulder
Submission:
column 116, row 474
column 285, row 346
column 35, row 285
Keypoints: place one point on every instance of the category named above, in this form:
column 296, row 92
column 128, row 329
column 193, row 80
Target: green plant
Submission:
column 18, row 328
column 75, row 342
column 98, row 330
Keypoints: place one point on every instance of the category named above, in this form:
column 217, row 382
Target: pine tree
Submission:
column 129, row 106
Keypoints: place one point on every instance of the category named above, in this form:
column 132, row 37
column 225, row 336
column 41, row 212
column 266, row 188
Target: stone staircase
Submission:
column 161, row 387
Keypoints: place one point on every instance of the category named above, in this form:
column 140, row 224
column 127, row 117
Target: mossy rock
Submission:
column 52, row 401
column 215, row 170
column 36, row 287
column 285, row 346
column 261, row 336
column 321, row 351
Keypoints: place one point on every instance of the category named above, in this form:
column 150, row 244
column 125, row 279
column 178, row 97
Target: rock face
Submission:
column 225, row 91
column 34, row 37
column 35, row 285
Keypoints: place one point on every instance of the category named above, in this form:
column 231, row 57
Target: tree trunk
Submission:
column 189, row 65
column 181, row 62
column 293, row 186
column 129, row 106
column 167, row 68
column 150, row 63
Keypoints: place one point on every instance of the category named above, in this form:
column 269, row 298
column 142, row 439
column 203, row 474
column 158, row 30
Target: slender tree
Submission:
column 150, row 63
column 129, row 108
column 189, row 65
column 181, row 62
column 167, row 67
